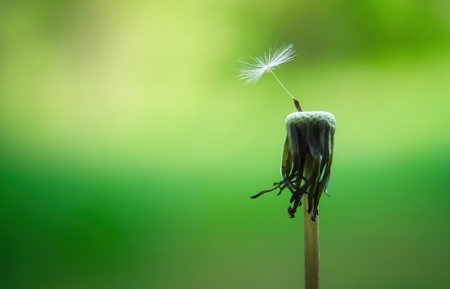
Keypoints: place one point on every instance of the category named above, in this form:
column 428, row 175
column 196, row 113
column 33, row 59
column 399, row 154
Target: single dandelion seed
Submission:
column 252, row 72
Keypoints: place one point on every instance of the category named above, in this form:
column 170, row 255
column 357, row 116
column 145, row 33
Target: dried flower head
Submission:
column 307, row 158
column 252, row 72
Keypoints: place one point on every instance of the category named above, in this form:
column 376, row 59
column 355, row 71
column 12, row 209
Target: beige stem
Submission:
column 311, row 234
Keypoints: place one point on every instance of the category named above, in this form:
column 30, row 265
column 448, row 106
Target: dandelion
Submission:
column 306, row 160
column 252, row 72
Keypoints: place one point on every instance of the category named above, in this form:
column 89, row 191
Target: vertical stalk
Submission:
column 312, row 249
column 311, row 235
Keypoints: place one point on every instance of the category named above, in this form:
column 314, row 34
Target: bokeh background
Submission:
column 129, row 148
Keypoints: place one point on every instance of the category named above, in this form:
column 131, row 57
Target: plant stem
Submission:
column 311, row 235
column 312, row 249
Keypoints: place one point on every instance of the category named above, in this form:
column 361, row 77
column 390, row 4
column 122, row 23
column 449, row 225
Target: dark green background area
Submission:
column 129, row 149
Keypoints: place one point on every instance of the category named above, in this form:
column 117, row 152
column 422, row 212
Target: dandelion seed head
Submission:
column 252, row 72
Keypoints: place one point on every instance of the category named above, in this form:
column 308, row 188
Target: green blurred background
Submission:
column 129, row 148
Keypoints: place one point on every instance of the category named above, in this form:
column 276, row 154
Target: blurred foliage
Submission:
column 129, row 149
column 330, row 29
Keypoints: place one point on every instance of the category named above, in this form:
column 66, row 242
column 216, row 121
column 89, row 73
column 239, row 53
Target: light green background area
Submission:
column 129, row 148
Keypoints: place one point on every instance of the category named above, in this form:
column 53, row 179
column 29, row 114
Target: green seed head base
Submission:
column 307, row 118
